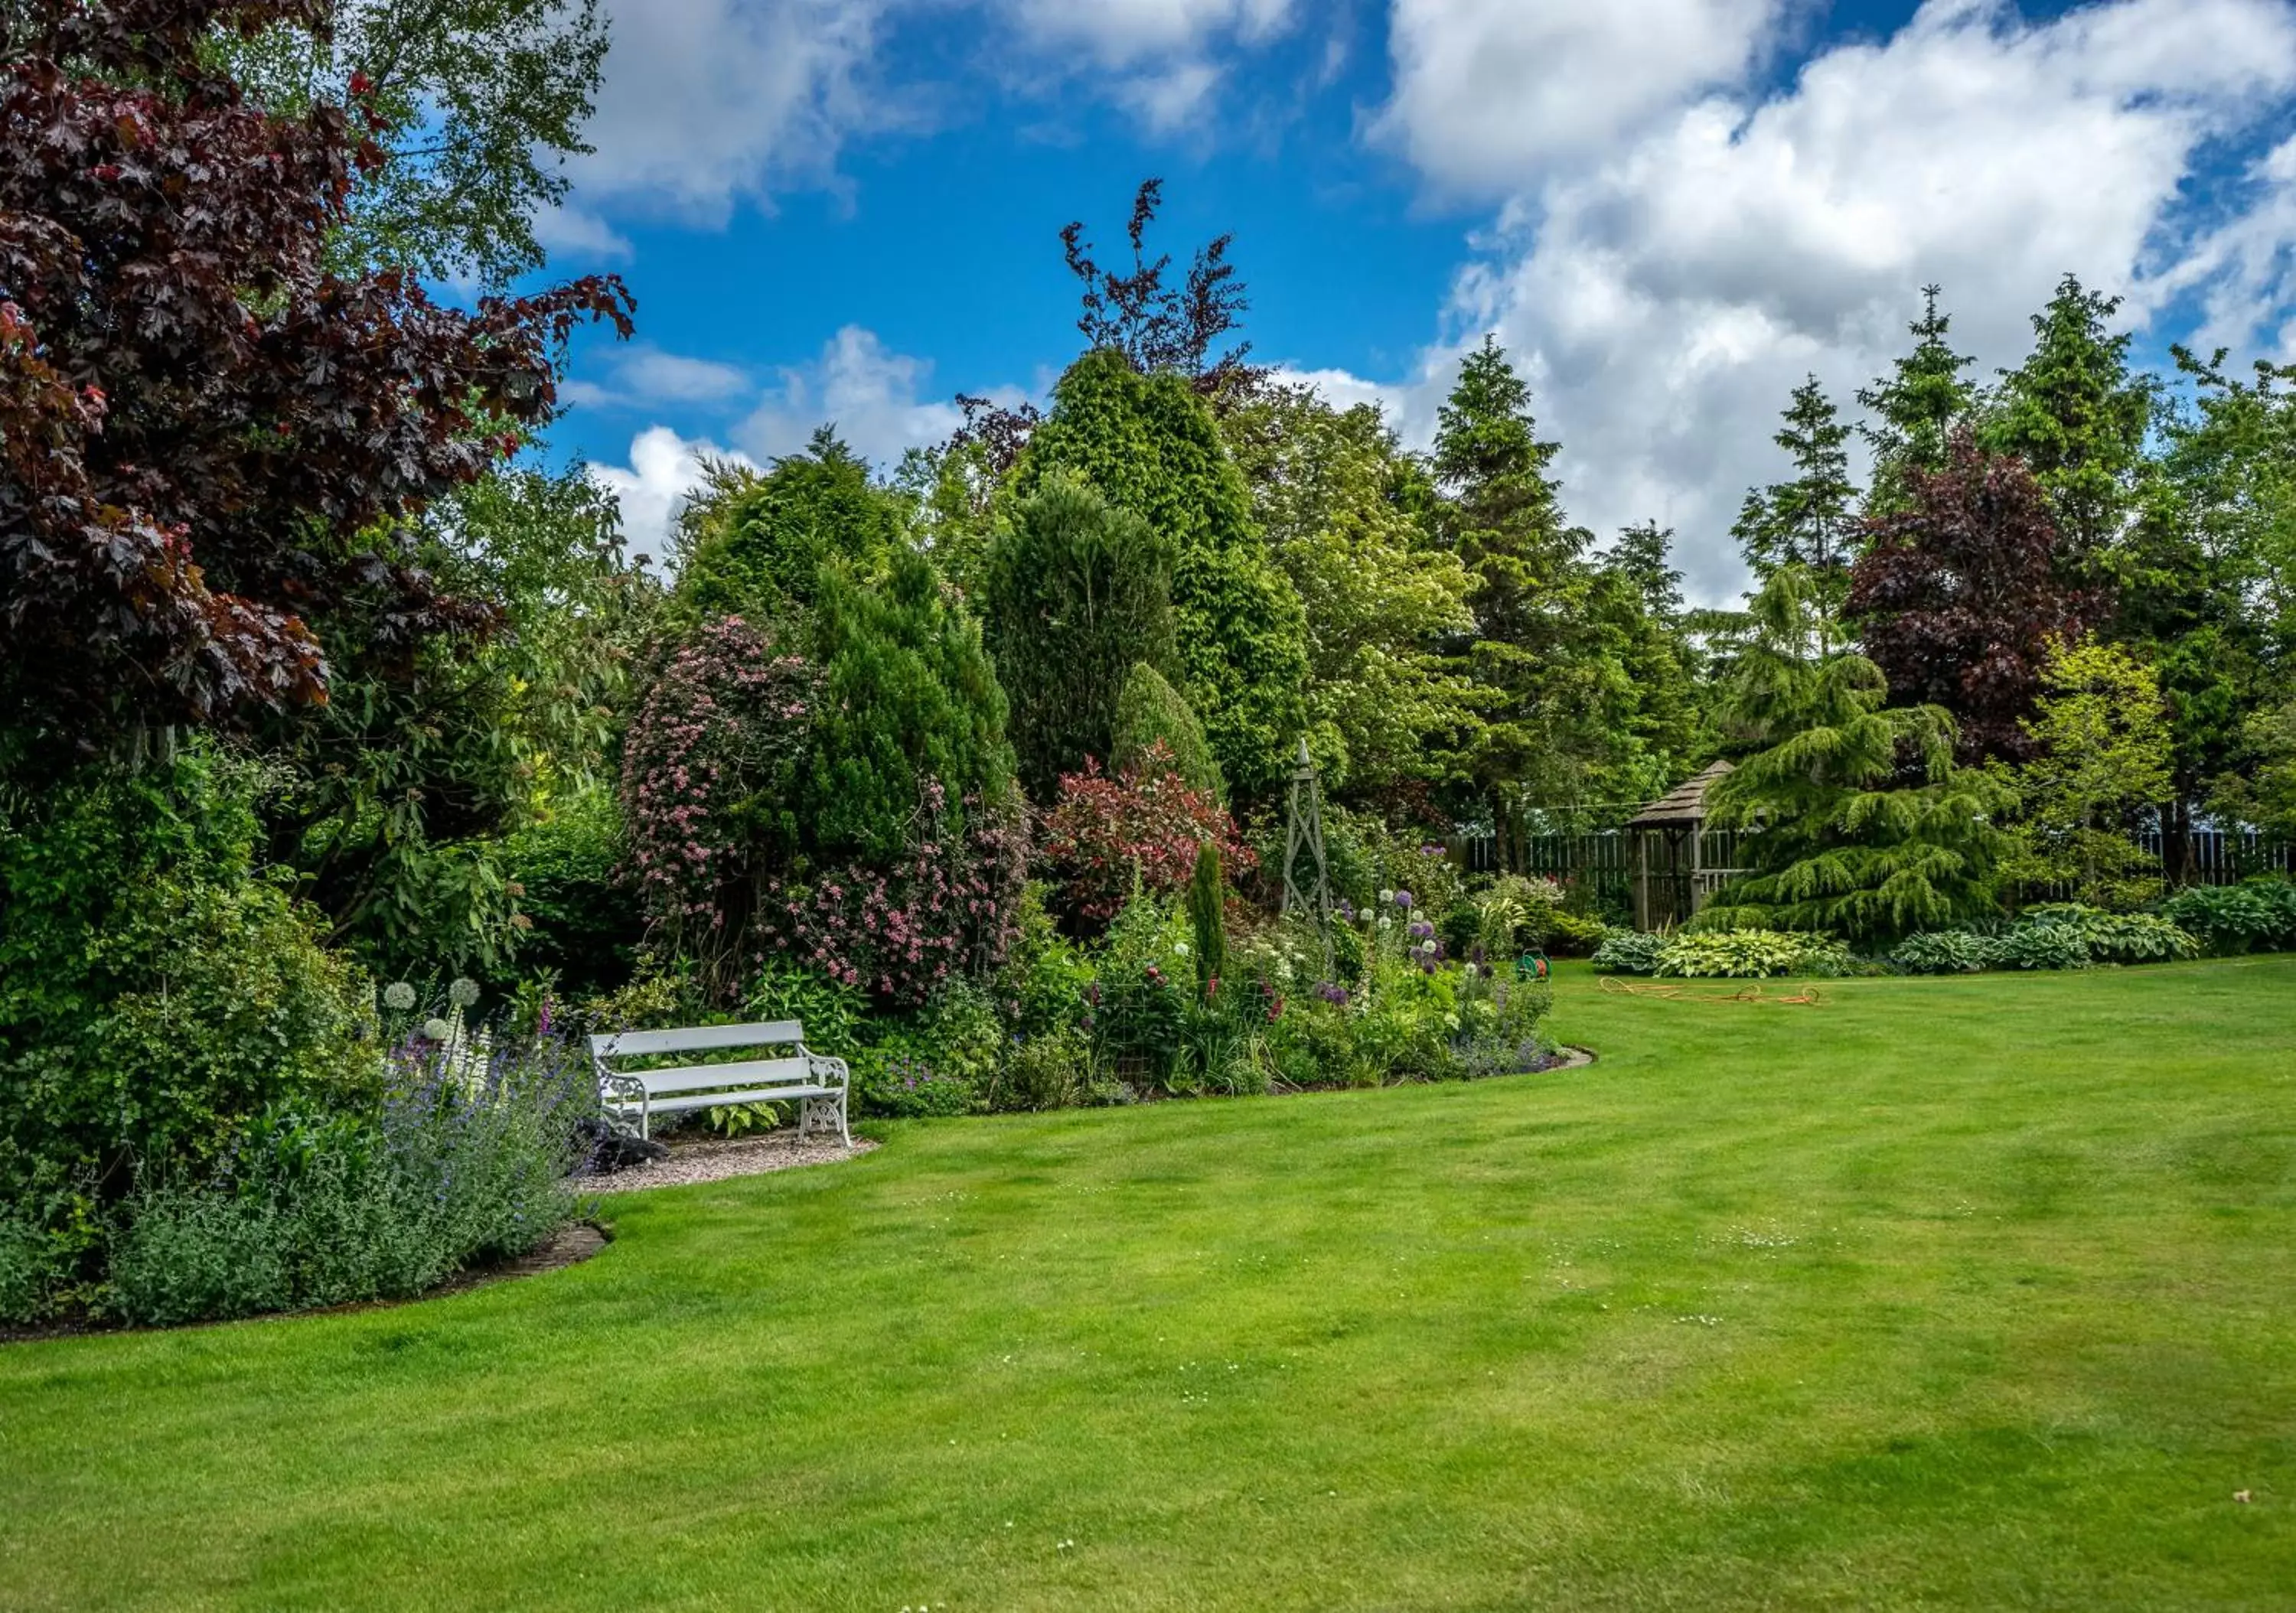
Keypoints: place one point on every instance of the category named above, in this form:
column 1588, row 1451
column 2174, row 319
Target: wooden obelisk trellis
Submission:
column 1304, row 835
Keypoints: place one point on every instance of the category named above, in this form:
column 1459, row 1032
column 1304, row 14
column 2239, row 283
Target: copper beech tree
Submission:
column 207, row 434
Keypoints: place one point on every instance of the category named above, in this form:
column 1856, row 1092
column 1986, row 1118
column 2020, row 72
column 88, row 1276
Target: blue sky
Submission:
column 1669, row 209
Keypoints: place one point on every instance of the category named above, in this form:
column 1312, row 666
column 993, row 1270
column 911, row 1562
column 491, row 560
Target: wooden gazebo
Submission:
column 1669, row 854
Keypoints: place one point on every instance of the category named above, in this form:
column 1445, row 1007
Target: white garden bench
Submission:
column 794, row 1076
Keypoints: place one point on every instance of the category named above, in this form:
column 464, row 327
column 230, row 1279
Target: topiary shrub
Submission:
column 1628, row 951
column 1151, row 713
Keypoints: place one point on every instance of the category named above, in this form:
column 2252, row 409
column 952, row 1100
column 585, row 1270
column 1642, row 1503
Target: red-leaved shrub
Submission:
column 1148, row 817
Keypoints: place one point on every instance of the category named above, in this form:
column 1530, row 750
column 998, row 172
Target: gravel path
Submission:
column 714, row 1161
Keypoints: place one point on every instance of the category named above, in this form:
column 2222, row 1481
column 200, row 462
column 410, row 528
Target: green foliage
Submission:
column 2077, row 417
column 1143, row 989
column 1628, row 951
column 155, row 992
column 1052, row 1071
column 1208, row 914
column 1844, row 845
column 755, row 544
column 484, row 101
column 1046, row 976
column 1077, row 594
column 1811, row 521
column 895, row 1080
column 1148, row 443
column 834, row 1014
column 394, row 796
column 1942, row 951
column 1334, row 492
column 2117, row 938
column 2037, row 946
column 1151, row 712
column 582, row 926
column 909, row 696
column 2259, row 916
column 1574, row 935
column 2102, row 759
column 1914, row 409
column 24, row 1271
column 319, row 1207
column 1749, row 954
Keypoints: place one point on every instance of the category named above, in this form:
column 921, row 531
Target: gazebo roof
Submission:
column 1682, row 805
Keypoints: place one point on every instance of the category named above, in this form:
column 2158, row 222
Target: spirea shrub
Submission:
column 1147, row 818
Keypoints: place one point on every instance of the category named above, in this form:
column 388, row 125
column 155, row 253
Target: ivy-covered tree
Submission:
column 1078, row 592
column 2077, row 416
column 753, row 543
column 1810, row 521
column 1332, row 489
column 1913, row 410
column 1959, row 596
column 1149, row 444
column 208, row 431
column 483, row 102
column 1837, row 838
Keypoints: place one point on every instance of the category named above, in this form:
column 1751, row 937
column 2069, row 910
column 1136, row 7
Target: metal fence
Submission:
column 1604, row 862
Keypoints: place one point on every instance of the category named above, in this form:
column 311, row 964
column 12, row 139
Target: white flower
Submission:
column 438, row 1030
column 1180, row 947
column 1385, row 896
column 398, row 995
column 463, row 993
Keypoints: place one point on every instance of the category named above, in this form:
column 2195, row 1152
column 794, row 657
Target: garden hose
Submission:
column 1668, row 992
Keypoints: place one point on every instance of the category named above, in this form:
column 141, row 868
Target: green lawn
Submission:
column 1946, row 1293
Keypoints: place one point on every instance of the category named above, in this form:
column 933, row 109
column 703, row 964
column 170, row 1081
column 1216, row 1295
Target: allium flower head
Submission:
column 399, row 996
column 438, row 1030
column 464, row 993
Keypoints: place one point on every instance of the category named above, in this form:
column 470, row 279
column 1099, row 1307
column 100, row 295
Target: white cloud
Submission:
column 643, row 374
column 706, row 103
column 1487, row 92
column 1664, row 301
column 873, row 396
column 664, row 468
column 1125, row 33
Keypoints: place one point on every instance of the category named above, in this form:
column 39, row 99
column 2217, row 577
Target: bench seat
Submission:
column 794, row 1075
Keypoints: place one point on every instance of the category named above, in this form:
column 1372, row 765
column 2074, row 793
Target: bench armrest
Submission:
column 828, row 1071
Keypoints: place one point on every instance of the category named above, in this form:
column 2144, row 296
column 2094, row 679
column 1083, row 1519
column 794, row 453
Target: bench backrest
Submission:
column 788, row 1069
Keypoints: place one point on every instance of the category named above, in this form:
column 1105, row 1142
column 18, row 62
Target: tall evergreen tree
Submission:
column 1537, row 650
column 1915, row 408
column 1811, row 521
column 1847, row 843
column 2077, row 417
column 1078, row 593
column 754, row 543
column 1149, row 444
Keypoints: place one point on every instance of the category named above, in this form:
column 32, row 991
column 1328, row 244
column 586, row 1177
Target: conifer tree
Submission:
column 1809, row 521
column 2077, row 417
column 1150, row 713
column 1915, row 408
column 1149, row 444
column 1077, row 594
column 1846, row 843
column 1536, row 651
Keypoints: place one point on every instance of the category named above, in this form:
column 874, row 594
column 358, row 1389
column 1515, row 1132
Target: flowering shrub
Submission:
column 899, row 933
column 709, row 768
column 1148, row 819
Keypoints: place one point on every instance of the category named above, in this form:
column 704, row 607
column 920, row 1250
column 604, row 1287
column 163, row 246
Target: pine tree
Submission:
column 1809, row 521
column 1537, row 650
column 1915, row 408
column 2077, row 417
